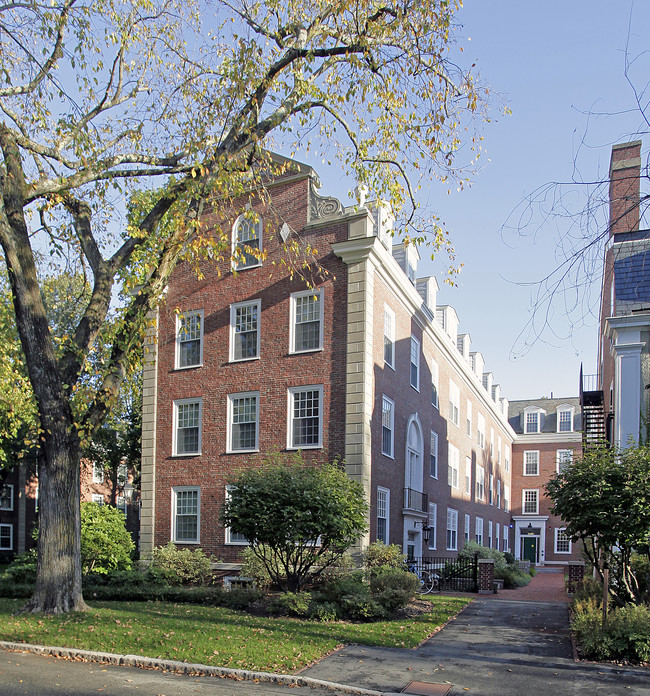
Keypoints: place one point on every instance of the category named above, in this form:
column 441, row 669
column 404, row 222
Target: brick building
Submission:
column 549, row 435
column 365, row 365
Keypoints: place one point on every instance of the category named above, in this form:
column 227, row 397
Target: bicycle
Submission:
column 427, row 581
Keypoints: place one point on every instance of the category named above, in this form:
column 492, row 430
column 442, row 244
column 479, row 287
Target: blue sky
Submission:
column 560, row 67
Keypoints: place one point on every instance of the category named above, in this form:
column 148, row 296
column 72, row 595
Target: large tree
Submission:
column 168, row 104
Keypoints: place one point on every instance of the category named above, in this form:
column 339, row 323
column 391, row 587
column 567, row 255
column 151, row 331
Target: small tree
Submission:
column 105, row 543
column 298, row 519
column 604, row 498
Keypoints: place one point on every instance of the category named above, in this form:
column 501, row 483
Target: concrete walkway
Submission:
column 516, row 643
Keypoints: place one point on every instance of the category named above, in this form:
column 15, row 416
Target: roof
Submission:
column 550, row 406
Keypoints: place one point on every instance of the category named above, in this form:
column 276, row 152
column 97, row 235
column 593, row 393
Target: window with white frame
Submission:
column 389, row 336
column 6, row 537
column 7, row 497
column 505, row 546
column 234, row 538
column 415, row 363
column 189, row 339
column 531, row 463
column 497, row 534
column 435, row 376
column 122, row 474
column 187, row 427
column 468, row 523
column 530, row 501
column 453, row 463
column 480, row 483
column 565, row 420
column 247, row 241
column 433, row 525
column 499, row 494
column 120, row 504
column 506, row 498
column 452, row 529
column 306, row 321
column 506, row 462
column 98, row 472
column 499, row 450
column 563, row 459
column 468, row 475
column 186, row 505
column 383, row 508
column 305, row 417
column 97, row 498
column 454, row 403
column 492, row 442
column 489, row 535
column 491, row 490
column 531, row 422
column 433, row 456
column 468, row 422
column 245, row 330
column 243, row 422
column 478, row 531
column 562, row 541
column 387, row 426
column 480, row 430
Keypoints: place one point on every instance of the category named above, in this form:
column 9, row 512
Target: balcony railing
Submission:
column 590, row 383
column 415, row 500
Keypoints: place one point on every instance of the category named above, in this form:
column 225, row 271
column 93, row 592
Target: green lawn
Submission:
column 214, row 635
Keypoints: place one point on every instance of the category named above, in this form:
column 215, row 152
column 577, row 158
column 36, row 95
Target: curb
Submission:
column 188, row 668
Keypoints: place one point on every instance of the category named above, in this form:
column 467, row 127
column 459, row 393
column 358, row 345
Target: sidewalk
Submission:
column 512, row 644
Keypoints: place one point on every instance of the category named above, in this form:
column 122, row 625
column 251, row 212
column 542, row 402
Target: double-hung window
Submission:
column 530, row 501
column 97, row 498
column 243, row 422
column 497, row 536
column 189, row 343
column 490, row 531
column 305, row 417
column 415, row 363
column 435, row 376
column 387, row 426
column 306, row 321
column 506, row 498
column 433, row 456
column 531, row 424
column 506, row 461
column 531, row 463
column 98, row 472
column 480, row 483
column 247, row 241
column 468, row 422
column 478, row 531
column 245, row 330
column 565, row 420
column 187, row 426
column 499, row 493
column 7, row 497
column 383, row 509
column 454, row 403
column 6, row 537
column 562, row 541
column 468, row 522
column 563, row 459
column 452, row 529
column 389, row 336
column 468, row 476
column 453, row 457
column 433, row 525
column 491, row 491
column 505, row 547
column 481, row 430
column 186, row 506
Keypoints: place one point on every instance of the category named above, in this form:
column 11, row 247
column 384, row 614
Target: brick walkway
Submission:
column 546, row 586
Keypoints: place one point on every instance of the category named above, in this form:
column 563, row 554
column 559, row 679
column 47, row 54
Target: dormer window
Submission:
column 565, row 420
column 532, row 421
column 247, row 241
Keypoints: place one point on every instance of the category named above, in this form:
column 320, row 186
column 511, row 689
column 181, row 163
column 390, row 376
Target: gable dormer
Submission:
column 448, row 319
column 407, row 256
column 532, row 420
column 487, row 382
column 496, row 393
column 462, row 343
column 477, row 363
column 565, row 414
column 428, row 289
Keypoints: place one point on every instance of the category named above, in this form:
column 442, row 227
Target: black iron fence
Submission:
column 458, row 574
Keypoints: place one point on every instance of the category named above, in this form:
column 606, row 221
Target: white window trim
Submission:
column 453, row 466
column 292, row 326
column 537, row 452
column 480, row 430
column 506, row 536
column 468, row 527
column 468, row 419
column 565, row 409
column 556, row 531
column 391, row 455
column 236, row 265
column 176, row 404
column 480, row 483
column 478, row 530
column 98, row 473
column 557, row 458
column 290, row 395
column 433, row 515
column 523, row 501
column 10, row 488
column 454, row 529
column 415, row 343
column 539, row 421
column 506, row 463
column 435, row 382
column 174, row 491
column 97, row 498
column 390, row 335
column 491, row 490
column 10, row 527
column 506, row 498
column 233, row 309
column 229, row 421
column 386, row 491
column 490, row 534
column 468, row 476
column 179, row 317
column 435, row 442
column 454, row 403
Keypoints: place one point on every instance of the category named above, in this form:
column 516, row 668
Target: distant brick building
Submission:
column 364, row 365
column 549, row 436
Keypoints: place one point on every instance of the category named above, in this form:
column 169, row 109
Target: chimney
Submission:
column 624, row 188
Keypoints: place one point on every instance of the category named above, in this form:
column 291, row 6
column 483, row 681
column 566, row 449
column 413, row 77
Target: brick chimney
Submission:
column 624, row 188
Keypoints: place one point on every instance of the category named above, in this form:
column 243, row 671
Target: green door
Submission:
column 530, row 549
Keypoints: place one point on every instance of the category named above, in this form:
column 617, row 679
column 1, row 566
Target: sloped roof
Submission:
column 550, row 406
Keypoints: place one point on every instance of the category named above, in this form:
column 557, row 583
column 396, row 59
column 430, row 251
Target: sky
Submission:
column 560, row 67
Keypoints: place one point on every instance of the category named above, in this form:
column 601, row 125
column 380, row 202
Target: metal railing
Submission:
column 416, row 500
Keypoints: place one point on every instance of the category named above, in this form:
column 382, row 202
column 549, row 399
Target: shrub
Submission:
column 253, row 567
column 181, row 566
column 473, row 550
column 512, row 577
column 380, row 554
column 22, row 569
column 393, row 588
column 106, row 545
column 291, row 604
column 323, row 611
column 241, row 597
column 625, row 636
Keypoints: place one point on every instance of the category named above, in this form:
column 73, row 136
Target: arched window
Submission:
column 247, row 241
column 413, row 473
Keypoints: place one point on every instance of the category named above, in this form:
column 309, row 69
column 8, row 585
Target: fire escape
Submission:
column 594, row 427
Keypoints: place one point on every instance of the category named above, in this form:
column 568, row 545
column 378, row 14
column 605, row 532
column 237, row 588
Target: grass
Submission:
column 214, row 635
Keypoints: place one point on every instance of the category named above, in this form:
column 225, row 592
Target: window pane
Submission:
column 248, row 240
column 189, row 336
column 306, row 418
column 245, row 339
column 307, row 330
column 188, row 423
column 244, row 423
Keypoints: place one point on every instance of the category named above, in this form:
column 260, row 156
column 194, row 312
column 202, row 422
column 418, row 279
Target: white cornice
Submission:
column 542, row 438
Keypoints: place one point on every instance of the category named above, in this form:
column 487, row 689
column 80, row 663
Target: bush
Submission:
column 253, row 567
column 22, row 569
column 291, row 604
column 625, row 637
column 512, row 577
column 472, row 550
column 323, row 611
column 380, row 554
column 393, row 588
column 181, row 566
column 105, row 543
